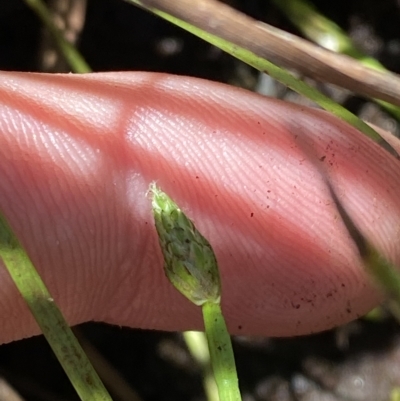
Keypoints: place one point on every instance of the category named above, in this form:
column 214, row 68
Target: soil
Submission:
column 357, row 362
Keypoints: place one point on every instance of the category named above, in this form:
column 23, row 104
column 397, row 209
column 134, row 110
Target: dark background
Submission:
column 356, row 362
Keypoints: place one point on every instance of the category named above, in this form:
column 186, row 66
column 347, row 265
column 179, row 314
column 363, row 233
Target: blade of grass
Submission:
column 71, row 54
column 196, row 343
column 277, row 73
column 321, row 30
column 282, row 48
column 110, row 375
column 191, row 266
column 382, row 270
column 49, row 318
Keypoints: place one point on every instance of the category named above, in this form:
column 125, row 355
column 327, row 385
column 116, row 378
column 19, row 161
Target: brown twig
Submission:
column 282, row 48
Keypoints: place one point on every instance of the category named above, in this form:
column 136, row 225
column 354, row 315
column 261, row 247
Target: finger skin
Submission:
column 78, row 154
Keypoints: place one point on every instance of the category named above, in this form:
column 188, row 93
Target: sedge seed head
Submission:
column 189, row 261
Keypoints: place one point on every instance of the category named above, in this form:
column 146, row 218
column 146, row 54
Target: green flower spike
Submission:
column 191, row 266
column 189, row 261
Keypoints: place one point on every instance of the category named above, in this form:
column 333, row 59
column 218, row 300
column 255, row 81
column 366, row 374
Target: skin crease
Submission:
column 78, row 154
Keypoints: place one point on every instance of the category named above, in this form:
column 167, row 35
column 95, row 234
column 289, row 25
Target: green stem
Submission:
column 49, row 318
column 326, row 33
column 222, row 358
column 191, row 266
column 278, row 73
column 71, row 54
column 196, row 342
column 385, row 273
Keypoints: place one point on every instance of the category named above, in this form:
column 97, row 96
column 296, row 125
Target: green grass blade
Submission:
column 196, row 342
column 382, row 270
column 275, row 72
column 71, row 54
column 316, row 27
column 49, row 318
column 319, row 29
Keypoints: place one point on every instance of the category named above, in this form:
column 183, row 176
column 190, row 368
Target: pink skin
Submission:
column 78, row 154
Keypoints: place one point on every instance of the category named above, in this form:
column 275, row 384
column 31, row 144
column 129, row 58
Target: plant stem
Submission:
column 49, row 318
column 191, row 267
column 75, row 60
column 221, row 352
column 276, row 72
column 326, row 33
column 196, row 342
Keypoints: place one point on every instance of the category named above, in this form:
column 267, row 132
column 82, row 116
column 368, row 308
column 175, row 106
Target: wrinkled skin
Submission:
column 78, row 154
